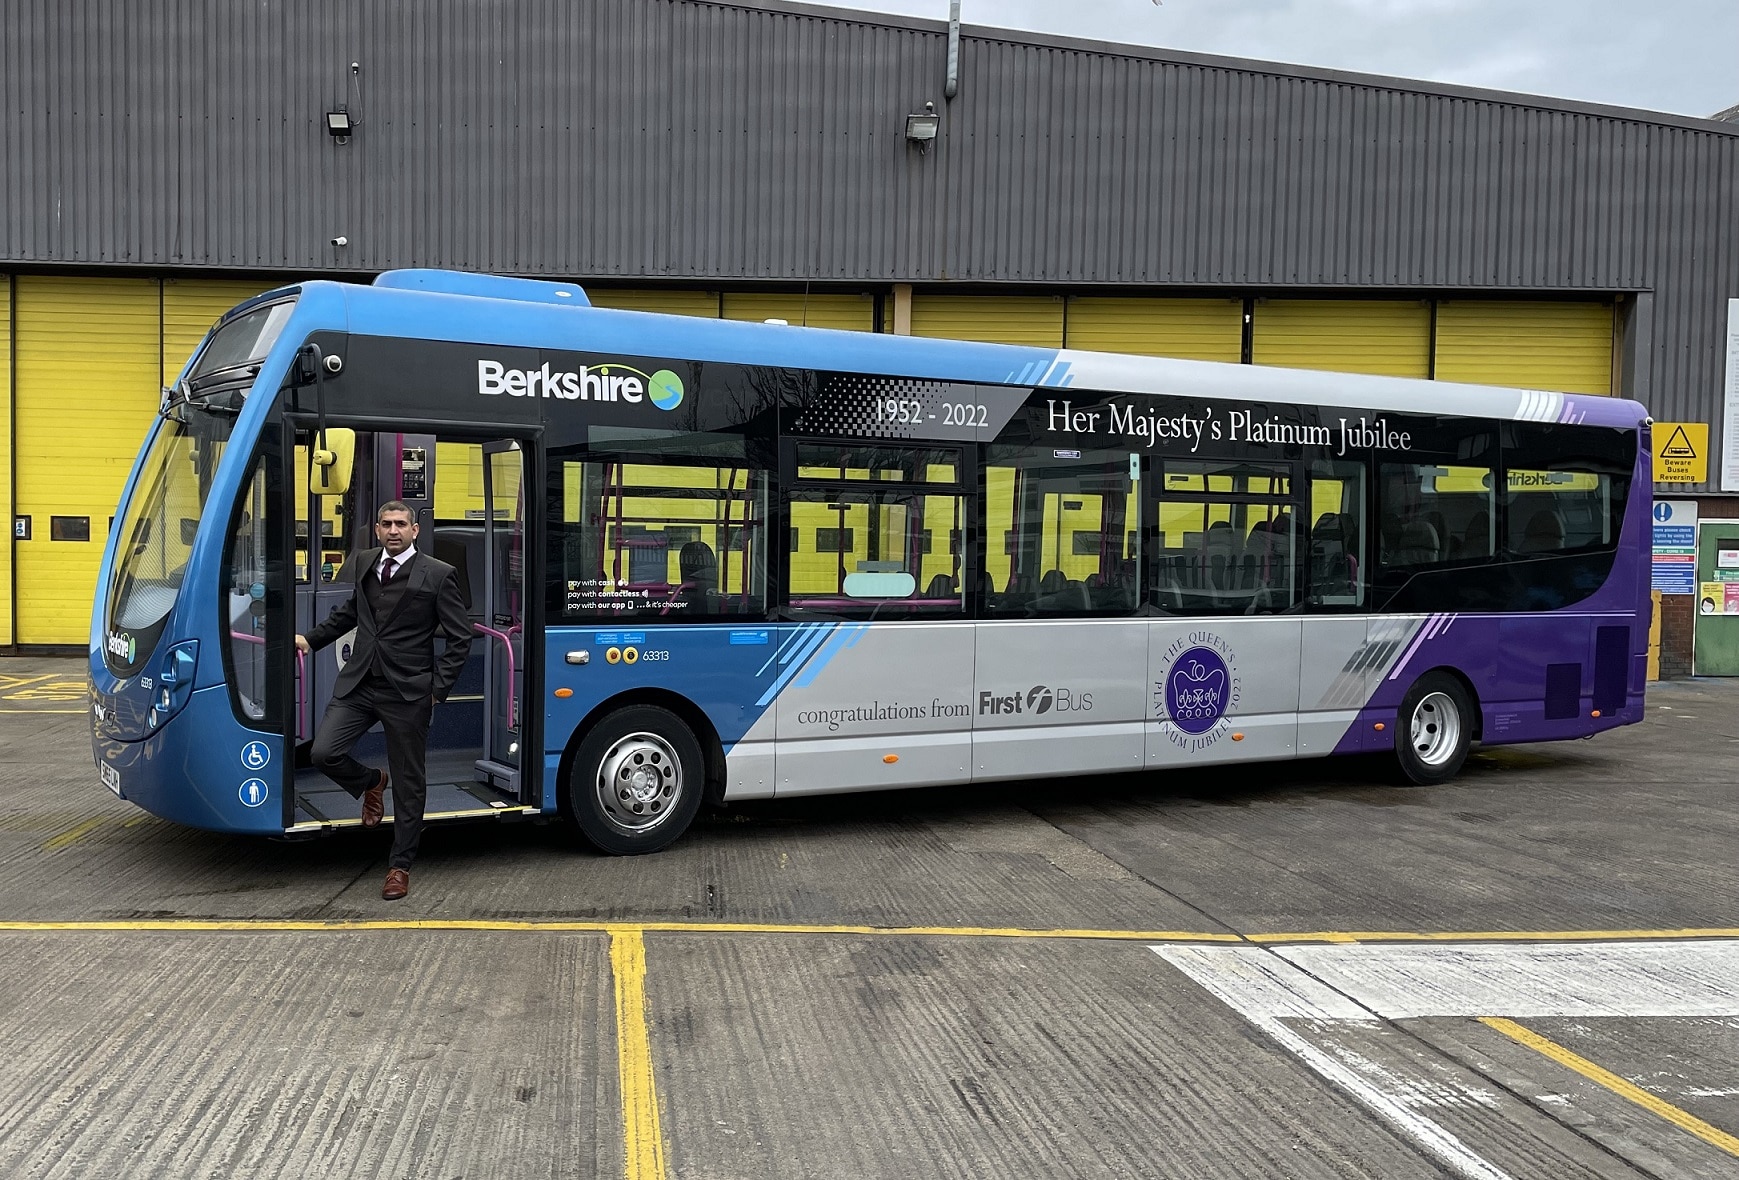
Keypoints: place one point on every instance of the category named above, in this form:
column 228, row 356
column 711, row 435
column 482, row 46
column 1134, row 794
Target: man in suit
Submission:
column 403, row 599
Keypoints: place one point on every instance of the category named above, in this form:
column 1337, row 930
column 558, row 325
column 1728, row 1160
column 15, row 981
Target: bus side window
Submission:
column 1337, row 533
column 1227, row 538
column 1063, row 532
column 876, row 531
column 1436, row 513
column 663, row 537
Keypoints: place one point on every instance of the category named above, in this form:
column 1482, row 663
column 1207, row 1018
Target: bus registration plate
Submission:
column 111, row 777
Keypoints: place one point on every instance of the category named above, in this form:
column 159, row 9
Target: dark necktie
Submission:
column 387, row 571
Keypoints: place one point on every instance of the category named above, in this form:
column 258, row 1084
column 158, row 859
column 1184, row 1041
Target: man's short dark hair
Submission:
column 394, row 506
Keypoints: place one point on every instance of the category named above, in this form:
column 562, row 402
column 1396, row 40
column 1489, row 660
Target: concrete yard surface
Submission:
column 1288, row 970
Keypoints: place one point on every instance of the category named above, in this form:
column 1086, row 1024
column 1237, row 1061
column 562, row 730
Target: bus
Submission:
column 710, row 561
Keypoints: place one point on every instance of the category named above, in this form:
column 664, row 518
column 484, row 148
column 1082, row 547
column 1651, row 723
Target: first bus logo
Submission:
column 609, row 382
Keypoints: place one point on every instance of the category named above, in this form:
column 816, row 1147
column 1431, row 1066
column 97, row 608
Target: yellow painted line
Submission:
column 943, row 931
column 1650, row 1102
column 73, row 835
column 8, row 682
column 556, row 926
column 642, row 1134
column 306, row 925
column 1351, row 936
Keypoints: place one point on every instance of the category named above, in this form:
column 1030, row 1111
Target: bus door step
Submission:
column 499, row 775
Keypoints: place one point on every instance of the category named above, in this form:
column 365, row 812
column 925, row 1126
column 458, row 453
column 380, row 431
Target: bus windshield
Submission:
column 157, row 528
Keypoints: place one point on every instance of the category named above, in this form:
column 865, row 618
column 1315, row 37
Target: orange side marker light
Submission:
column 564, row 693
column 1237, row 737
column 1596, row 713
column 890, row 759
column 1379, row 726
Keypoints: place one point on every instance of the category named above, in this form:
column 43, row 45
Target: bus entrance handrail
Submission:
column 507, row 644
column 301, row 680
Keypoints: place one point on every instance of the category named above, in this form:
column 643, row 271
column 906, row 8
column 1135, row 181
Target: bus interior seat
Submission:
column 456, row 544
column 1544, row 534
column 1332, row 566
column 1167, row 585
column 1069, row 596
column 699, row 569
column 1476, row 537
column 1219, row 550
column 1415, row 543
column 941, row 586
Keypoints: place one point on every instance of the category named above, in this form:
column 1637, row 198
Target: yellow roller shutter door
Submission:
column 6, row 604
column 1000, row 319
column 89, row 365
column 190, row 307
column 1193, row 329
column 696, row 303
column 1387, row 337
column 1560, row 346
column 851, row 313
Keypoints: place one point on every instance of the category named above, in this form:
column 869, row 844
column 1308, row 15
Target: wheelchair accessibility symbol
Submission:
column 256, row 755
column 253, row 792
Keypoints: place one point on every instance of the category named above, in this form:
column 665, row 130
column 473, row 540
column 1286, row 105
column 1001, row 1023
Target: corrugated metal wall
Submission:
column 696, row 140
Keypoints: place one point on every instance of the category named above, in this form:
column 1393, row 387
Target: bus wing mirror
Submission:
column 329, row 465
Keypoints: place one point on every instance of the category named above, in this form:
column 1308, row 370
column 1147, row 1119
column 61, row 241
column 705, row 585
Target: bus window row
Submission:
column 889, row 532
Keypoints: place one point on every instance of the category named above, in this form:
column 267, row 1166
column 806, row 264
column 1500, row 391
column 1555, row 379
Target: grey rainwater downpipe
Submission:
column 952, row 86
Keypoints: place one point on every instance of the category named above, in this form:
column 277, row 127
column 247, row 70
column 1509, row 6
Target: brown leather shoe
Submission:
column 374, row 804
column 398, row 883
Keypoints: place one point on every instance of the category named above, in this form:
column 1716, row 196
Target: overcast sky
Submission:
column 1664, row 55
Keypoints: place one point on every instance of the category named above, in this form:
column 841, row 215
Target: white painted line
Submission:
column 1685, row 979
column 1265, row 993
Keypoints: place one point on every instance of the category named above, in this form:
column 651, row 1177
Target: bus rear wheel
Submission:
column 636, row 781
column 1434, row 729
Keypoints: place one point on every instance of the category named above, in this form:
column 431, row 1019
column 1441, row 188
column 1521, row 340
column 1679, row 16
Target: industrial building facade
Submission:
column 760, row 160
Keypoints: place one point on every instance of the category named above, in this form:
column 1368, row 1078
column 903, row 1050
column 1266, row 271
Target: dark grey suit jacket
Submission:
column 429, row 604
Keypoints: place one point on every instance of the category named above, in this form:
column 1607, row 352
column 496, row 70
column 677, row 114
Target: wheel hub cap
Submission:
column 639, row 781
column 1435, row 728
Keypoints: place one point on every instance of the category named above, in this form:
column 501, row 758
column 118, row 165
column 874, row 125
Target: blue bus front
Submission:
column 169, row 731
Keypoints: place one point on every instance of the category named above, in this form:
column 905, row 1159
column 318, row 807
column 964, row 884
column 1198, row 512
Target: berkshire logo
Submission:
column 122, row 646
column 608, row 382
column 665, row 389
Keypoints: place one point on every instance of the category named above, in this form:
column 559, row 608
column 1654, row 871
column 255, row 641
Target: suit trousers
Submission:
column 406, row 724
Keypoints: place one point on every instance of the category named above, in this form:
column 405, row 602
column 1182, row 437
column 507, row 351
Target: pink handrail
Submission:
column 302, row 726
column 506, row 643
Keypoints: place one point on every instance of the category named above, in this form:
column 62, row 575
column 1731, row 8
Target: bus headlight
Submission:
column 175, row 680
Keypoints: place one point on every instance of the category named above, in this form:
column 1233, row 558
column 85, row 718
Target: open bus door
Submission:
column 502, row 629
column 468, row 501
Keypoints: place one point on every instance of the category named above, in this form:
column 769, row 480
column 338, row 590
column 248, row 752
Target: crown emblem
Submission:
column 1198, row 691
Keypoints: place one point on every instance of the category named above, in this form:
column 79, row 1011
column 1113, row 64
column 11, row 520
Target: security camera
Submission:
column 334, row 363
column 1648, row 421
column 341, row 240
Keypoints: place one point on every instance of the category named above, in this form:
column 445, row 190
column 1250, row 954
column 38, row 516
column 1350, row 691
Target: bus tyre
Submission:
column 636, row 782
column 1434, row 729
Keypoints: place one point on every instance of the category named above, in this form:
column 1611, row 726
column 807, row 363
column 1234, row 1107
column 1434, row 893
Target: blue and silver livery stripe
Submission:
column 805, row 652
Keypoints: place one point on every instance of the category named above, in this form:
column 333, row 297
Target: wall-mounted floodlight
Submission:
column 921, row 129
column 338, row 125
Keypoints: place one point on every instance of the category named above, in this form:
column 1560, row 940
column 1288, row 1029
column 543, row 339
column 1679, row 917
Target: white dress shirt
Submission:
column 397, row 563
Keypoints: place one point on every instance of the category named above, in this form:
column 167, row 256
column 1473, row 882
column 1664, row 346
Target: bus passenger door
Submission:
column 1227, row 566
column 1346, row 651
column 501, row 630
column 1060, row 687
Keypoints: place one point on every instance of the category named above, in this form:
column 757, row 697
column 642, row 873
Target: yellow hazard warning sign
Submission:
column 1681, row 452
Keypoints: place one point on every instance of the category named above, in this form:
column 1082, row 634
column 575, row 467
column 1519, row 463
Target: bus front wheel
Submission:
column 636, row 781
column 1434, row 729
